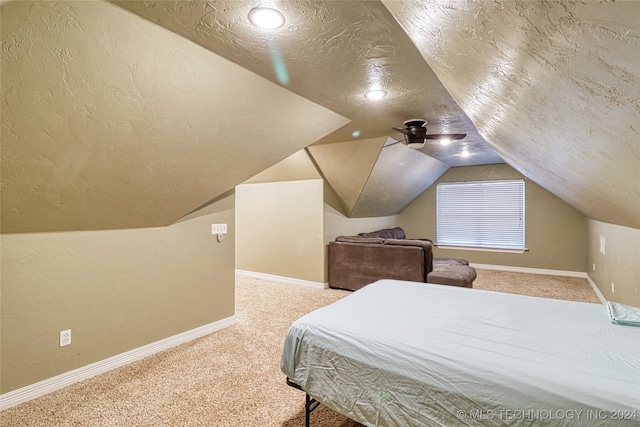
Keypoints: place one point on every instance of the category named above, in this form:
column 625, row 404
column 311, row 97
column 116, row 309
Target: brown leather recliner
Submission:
column 356, row 261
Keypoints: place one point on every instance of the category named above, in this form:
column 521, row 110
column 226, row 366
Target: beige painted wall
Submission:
column 284, row 228
column 620, row 263
column 556, row 233
column 280, row 229
column 336, row 223
column 287, row 215
column 116, row 290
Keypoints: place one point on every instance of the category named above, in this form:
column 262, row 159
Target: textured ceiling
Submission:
column 553, row 86
column 109, row 121
column 385, row 192
column 330, row 52
column 112, row 121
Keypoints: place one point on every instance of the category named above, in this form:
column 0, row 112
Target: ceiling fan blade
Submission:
column 393, row 143
column 445, row 136
column 403, row 130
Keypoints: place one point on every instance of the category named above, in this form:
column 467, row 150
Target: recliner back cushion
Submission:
column 386, row 233
column 359, row 239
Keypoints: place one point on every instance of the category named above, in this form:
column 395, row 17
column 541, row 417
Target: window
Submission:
column 481, row 214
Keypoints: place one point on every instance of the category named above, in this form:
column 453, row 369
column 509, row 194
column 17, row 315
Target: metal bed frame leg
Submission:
column 309, row 403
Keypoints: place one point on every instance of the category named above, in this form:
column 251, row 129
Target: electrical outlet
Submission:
column 65, row 337
column 593, row 266
column 613, row 288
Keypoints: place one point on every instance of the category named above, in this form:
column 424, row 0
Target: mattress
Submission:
column 413, row 354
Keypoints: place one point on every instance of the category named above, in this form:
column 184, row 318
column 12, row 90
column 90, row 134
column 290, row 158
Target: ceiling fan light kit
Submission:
column 413, row 141
column 415, row 145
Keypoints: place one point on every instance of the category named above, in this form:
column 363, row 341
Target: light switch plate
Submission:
column 603, row 245
column 218, row 228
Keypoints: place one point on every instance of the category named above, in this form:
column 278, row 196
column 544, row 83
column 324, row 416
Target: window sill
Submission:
column 479, row 249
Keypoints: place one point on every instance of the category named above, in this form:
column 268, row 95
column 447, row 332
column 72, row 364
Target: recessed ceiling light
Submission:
column 266, row 18
column 375, row 94
column 465, row 153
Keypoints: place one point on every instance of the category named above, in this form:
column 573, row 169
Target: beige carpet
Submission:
column 231, row 377
column 537, row 285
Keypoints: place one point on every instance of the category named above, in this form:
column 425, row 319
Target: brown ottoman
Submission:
column 452, row 274
column 450, row 261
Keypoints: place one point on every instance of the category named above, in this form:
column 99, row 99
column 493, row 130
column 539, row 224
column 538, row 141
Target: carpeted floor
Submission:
column 231, row 377
column 537, row 285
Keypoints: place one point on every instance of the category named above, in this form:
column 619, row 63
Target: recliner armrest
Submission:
column 426, row 244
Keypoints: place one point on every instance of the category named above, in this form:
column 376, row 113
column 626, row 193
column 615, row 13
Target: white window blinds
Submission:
column 484, row 214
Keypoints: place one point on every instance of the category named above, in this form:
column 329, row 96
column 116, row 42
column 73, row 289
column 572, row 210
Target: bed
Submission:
column 398, row 353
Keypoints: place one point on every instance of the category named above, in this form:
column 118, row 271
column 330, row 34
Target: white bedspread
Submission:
column 413, row 354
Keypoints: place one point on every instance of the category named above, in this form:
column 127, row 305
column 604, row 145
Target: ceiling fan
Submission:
column 415, row 133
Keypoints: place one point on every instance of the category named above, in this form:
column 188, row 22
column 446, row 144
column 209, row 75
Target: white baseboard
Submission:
column 532, row 270
column 283, row 279
column 580, row 274
column 596, row 290
column 24, row 394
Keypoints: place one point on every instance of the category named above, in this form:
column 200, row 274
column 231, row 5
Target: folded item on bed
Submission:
column 622, row 314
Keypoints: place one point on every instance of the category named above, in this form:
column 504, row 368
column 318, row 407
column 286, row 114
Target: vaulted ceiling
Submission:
column 133, row 114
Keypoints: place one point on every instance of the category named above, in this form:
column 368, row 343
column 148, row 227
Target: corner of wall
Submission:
column 613, row 254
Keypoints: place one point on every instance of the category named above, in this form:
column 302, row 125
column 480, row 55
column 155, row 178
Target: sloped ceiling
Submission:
column 346, row 175
column 376, row 177
column 332, row 52
column 109, row 121
column 385, row 192
column 553, row 86
column 296, row 167
column 113, row 121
